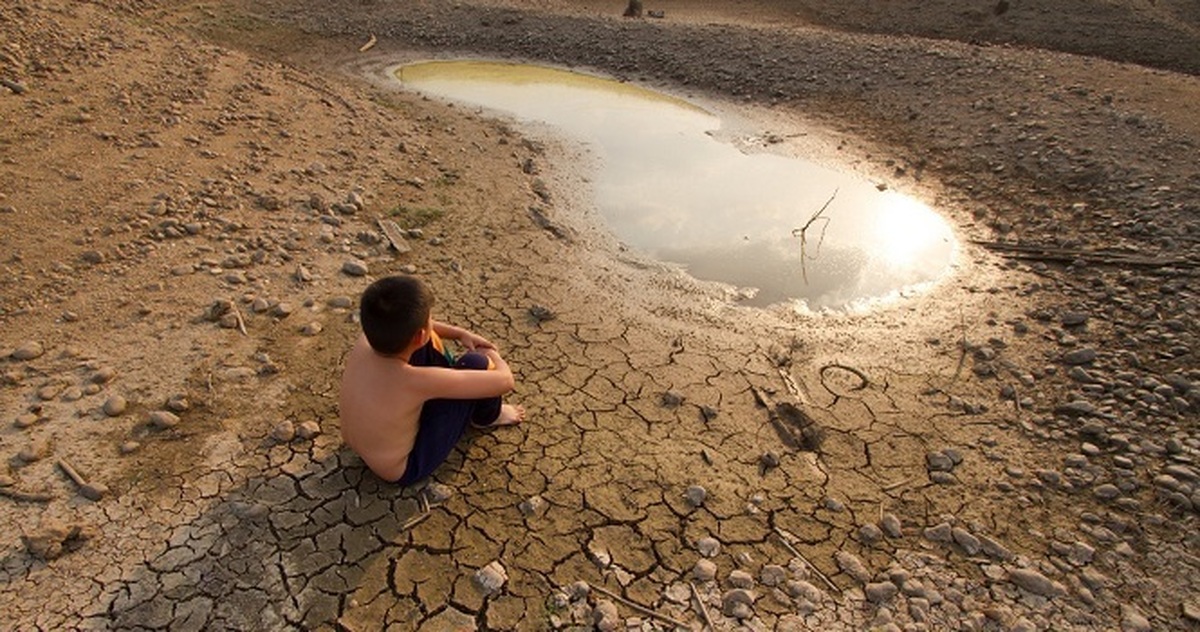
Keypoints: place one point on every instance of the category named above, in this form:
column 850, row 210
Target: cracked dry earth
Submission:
column 186, row 227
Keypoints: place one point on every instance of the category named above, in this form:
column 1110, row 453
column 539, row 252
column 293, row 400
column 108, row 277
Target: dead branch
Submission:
column 802, row 233
column 26, row 497
column 639, row 607
column 962, row 351
column 369, row 45
column 241, row 322
column 703, row 608
column 783, row 537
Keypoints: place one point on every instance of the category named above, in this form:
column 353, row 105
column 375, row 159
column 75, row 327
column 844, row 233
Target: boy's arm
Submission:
column 468, row 339
column 440, row 383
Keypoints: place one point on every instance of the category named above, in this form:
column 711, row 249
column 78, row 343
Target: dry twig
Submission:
column 703, row 608
column 802, row 234
column 794, row 551
column 639, row 607
column 369, row 45
column 28, row 497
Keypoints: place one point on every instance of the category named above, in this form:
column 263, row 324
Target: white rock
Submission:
column 491, row 578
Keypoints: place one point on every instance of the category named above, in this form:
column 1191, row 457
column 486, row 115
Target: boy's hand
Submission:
column 472, row 341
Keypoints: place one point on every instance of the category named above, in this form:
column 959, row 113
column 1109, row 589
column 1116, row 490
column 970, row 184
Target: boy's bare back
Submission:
column 382, row 397
column 398, row 366
column 379, row 409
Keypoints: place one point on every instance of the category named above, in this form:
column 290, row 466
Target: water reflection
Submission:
column 669, row 189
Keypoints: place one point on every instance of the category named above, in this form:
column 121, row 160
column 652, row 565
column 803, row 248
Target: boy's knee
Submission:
column 474, row 360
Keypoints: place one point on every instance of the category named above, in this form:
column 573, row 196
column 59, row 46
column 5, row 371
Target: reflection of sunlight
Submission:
column 906, row 230
column 669, row 189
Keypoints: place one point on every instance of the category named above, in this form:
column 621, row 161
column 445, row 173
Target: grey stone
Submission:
column 708, row 546
column 704, row 570
column 1074, row 319
column 880, row 592
column 870, row 534
column 772, row 575
column 994, row 549
column 284, row 431
column 29, row 351
column 800, row 589
column 1132, row 620
column 115, row 406
column 1035, row 582
column 531, row 505
column 437, row 492
column 1087, row 355
column 741, row 579
column 852, row 566
column 308, row 429
column 939, row 533
column 696, row 495
column 938, row 462
column 891, row 526
column 355, row 268
column 491, row 578
column 1077, row 408
column 163, row 419
column 104, row 375
column 732, row 599
column 969, row 543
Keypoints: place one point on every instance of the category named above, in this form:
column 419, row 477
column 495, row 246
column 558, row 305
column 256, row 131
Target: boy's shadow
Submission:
column 287, row 549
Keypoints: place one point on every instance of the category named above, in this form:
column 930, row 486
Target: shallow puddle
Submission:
column 669, row 189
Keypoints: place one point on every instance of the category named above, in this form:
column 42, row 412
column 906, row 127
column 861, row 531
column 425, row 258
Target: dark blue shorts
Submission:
column 443, row 421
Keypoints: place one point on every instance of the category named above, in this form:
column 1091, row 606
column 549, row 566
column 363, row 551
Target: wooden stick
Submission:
column 703, row 608
column 28, row 497
column 783, row 537
column 414, row 521
column 369, row 45
column 241, row 323
column 900, row 483
column 639, row 608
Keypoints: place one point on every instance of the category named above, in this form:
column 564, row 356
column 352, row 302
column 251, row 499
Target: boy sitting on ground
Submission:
column 405, row 401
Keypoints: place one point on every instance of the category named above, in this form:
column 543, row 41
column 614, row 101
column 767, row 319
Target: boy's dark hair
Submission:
column 393, row 310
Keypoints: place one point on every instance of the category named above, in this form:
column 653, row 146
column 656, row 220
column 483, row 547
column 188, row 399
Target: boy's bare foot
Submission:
column 509, row 416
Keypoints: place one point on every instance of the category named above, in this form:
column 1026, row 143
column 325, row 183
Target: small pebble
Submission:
column 704, row 570
column 891, row 526
column 437, row 492
column 284, row 431
column 773, row 575
column 870, row 534
column 355, row 268
column 531, row 505
column 696, row 495
column 307, row 429
column 708, row 546
column 163, row 419
column 115, row 406
column 29, row 351
column 880, row 592
column 741, row 579
column 491, row 578
column 1035, row 582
